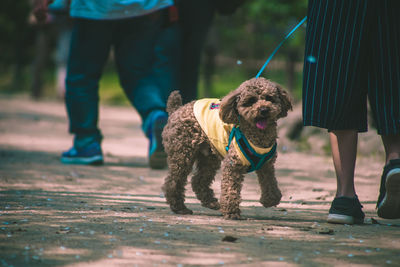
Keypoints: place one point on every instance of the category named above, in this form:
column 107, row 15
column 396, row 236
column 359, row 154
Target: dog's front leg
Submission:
column 231, row 185
column 270, row 193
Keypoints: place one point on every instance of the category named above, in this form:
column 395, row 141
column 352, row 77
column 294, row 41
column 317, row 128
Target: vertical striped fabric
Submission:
column 352, row 54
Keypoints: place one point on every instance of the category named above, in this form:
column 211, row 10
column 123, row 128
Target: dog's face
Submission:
column 258, row 101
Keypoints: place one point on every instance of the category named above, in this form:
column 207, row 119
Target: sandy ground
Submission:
column 115, row 215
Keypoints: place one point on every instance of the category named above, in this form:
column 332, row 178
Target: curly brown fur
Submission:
column 174, row 102
column 255, row 106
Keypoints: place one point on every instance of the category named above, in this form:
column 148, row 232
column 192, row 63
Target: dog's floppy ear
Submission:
column 286, row 102
column 228, row 111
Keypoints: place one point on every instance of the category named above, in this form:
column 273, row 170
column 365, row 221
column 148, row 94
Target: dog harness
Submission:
column 223, row 135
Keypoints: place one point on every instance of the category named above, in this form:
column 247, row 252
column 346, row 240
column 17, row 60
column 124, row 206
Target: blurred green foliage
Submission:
column 258, row 27
column 248, row 36
column 14, row 30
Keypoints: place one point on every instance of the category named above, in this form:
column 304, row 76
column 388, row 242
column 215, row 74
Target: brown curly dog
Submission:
column 240, row 131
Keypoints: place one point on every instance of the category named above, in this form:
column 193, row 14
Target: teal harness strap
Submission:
column 256, row 160
column 233, row 132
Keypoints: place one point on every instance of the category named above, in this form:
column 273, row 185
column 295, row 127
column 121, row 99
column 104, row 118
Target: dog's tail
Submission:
column 174, row 101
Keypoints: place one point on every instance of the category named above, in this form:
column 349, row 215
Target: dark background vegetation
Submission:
column 240, row 43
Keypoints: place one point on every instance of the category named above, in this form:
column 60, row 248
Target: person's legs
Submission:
column 391, row 144
column 196, row 17
column 388, row 203
column 90, row 45
column 344, row 152
column 144, row 57
column 384, row 95
column 165, row 71
column 334, row 94
column 135, row 41
column 346, row 207
column 163, row 78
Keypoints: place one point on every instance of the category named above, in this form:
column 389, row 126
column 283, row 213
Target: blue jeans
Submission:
column 133, row 41
column 164, row 75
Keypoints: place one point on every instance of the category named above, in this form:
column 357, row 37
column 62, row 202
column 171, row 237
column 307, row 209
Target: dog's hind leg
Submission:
column 174, row 185
column 270, row 193
column 207, row 167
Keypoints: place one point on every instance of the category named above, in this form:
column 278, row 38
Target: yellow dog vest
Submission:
column 206, row 112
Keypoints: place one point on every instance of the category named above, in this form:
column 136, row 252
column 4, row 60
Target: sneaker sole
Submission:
column 343, row 219
column 96, row 160
column 390, row 205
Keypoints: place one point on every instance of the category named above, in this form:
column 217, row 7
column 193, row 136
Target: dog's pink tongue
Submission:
column 261, row 124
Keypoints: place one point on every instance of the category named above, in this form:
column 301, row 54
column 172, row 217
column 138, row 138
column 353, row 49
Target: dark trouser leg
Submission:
column 135, row 42
column 196, row 18
column 90, row 45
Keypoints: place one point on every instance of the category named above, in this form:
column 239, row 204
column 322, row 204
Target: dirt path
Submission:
column 115, row 215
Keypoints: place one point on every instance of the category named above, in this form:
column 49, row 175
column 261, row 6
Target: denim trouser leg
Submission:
column 135, row 57
column 166, row 68
column 90, row 46
column 164, row 75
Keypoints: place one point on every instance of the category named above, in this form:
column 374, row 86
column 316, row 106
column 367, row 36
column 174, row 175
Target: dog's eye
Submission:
column 269, row 98
column 249, row 101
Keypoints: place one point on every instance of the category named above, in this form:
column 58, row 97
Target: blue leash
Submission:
column 279, row 46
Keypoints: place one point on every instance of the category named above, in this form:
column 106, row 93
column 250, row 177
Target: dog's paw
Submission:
column 212, row 205
column 232, row 216
column 270, row 202
column 184, row 211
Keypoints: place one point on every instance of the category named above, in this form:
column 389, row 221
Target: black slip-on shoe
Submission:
column 346, row 210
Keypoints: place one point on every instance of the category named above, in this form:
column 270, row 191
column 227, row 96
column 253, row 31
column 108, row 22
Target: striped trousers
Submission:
column 352, row 55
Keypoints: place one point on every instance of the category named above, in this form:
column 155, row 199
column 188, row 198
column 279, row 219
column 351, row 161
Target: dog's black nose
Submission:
column 264, row 111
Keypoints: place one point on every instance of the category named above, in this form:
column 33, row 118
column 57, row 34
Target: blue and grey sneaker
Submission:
column 88, row 155
column 154, row 126
column 388, row 204
column 346, row 210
